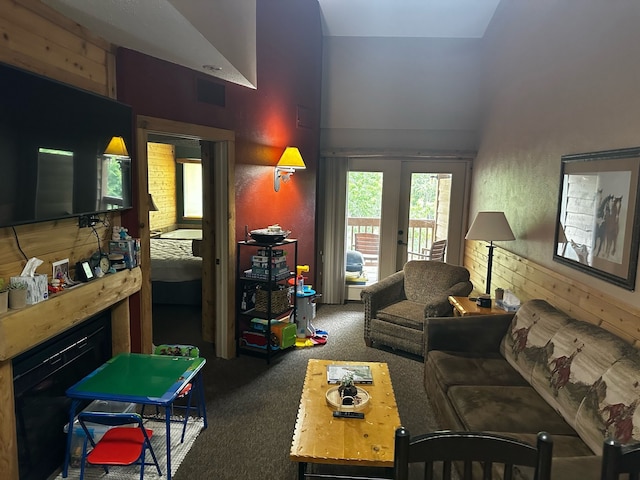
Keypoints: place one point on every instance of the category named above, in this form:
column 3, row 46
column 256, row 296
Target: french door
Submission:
column 405, row 205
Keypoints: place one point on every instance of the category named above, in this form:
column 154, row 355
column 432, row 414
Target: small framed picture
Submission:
column 61, row 270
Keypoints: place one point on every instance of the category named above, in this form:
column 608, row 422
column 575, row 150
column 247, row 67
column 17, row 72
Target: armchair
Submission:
column 396, row 308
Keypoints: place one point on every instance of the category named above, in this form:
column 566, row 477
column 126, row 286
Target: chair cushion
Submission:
column 119, row 446
column 458, row 368
column 406, row 313
column 508, row 409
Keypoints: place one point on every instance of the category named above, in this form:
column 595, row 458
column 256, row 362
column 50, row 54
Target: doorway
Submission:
column 218, row 220
column 401, row 206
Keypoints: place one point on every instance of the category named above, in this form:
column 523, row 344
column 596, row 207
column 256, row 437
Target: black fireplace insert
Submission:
column 40, row 378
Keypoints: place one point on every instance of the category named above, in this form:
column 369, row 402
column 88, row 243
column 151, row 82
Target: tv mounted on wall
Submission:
column 52, row 142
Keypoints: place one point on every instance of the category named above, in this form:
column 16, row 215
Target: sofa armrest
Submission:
column 379, row 295
column 475, row 333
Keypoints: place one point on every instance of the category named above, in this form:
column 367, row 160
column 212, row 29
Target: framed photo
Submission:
column 597, row 223
column 61, row 270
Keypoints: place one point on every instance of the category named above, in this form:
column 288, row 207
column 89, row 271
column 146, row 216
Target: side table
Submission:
column 464, row 306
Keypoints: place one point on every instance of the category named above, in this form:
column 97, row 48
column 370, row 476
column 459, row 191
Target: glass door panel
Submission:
column 396, row 209
column 428, row 213
column 364, row 210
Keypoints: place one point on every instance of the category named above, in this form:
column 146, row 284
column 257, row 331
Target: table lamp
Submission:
column 490, row 226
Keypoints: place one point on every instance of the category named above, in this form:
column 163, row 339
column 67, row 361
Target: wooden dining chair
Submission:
column 126, row 443
column 477, row 452
column 618, row 459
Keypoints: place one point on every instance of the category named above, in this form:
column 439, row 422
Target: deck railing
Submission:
column 420, row 234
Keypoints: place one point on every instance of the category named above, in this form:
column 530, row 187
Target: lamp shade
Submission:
column 490, row 226
column 117, row 147
column 562, row 237
column 152, row 205
column 291, row 158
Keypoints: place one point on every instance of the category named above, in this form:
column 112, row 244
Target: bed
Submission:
column 176, row 273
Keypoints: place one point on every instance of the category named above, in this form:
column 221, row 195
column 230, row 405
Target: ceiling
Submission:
column 218, row 37
column 407, row 18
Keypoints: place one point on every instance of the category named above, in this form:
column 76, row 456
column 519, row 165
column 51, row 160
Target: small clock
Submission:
column 105, row 264
column 99, row 259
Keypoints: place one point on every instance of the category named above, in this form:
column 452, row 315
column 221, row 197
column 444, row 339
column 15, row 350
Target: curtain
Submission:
column 333, row 181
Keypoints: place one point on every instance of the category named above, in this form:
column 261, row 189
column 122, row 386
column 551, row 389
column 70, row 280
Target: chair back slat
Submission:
column 618, row 459
column 470, row 448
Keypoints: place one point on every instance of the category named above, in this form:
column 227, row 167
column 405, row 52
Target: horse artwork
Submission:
column 607, row 226
column 597, row 226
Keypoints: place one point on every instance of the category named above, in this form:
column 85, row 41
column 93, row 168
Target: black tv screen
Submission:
column 52, row 143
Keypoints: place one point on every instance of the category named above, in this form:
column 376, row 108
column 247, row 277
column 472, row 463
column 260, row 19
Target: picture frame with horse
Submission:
column 597, row 224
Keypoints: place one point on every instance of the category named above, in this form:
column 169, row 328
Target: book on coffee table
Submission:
column 361, row 373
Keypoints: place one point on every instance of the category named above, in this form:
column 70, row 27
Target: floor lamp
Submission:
column 490, row 226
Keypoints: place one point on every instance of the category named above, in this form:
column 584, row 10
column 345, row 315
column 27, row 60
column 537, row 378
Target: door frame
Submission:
column 218, row 248
column 388, row 164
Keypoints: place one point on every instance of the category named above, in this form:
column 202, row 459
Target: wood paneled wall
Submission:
column 529, row 280
column 162, row 185
column 39, row 39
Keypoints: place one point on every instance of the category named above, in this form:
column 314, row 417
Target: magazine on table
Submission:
column 361, row 373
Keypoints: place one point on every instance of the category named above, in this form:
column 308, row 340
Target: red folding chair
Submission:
column 126, row 443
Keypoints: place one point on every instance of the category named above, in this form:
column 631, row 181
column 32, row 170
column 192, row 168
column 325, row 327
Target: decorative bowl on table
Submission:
column 269, row 235
column 359, row 401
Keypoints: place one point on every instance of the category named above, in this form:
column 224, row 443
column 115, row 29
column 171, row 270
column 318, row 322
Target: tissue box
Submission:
column 37, row 290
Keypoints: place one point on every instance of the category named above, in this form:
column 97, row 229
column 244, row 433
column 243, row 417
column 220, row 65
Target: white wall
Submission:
column 562, row 77
column 400, row 93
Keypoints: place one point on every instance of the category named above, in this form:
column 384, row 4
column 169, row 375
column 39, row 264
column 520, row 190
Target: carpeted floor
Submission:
column 252, row 406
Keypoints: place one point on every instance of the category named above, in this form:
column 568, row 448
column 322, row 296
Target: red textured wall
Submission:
column 289, row 51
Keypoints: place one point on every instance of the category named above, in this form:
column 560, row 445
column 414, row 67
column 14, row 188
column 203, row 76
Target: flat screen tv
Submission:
column 52, row 142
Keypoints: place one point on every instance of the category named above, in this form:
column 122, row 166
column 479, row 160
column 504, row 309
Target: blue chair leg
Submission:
column 186, row 415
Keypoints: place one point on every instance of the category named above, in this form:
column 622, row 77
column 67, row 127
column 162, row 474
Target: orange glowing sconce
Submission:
column 289, row 162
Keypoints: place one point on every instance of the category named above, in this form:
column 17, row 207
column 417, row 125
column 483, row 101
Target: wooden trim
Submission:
column 211, row 276
column 23, row 329
column 530, row 280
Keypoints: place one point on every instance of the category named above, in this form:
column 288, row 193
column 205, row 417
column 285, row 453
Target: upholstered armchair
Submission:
column 395, row 309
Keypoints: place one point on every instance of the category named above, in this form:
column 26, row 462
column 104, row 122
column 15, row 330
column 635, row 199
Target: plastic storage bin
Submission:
column 96, row 430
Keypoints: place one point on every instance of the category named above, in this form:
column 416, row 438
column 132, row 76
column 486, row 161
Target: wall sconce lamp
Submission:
column 116, row 148
column 490, row 226
column 152, row 205
column 289, row 162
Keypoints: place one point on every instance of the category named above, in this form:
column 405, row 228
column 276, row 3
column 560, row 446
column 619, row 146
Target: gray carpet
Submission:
column 252, row 406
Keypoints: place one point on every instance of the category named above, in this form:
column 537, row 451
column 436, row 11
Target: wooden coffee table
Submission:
column 319, row 437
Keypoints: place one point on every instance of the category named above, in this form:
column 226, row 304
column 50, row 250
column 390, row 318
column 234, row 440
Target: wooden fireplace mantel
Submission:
column 21, row 330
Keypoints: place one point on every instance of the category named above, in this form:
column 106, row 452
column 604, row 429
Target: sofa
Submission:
column 537, row 370
column 395, row 309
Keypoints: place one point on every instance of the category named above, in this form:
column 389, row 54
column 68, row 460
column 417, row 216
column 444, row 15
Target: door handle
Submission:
column 400, row 242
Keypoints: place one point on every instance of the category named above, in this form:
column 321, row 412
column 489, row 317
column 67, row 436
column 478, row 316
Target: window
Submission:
column 191, row 184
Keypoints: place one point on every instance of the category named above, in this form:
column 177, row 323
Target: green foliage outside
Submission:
column 114, row 179
column 365, row 195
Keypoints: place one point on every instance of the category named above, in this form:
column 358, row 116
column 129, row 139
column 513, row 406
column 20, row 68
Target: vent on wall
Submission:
column 210, row 92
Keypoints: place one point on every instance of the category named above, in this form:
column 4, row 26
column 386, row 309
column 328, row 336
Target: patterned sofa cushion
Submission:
column 610, row 408
column 574, row 359
column 584, row 372
column 531, row 329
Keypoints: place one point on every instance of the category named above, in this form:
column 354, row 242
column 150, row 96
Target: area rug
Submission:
column 178, row 452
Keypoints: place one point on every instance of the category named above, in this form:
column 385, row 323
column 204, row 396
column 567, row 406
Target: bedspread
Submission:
column 173, row 261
